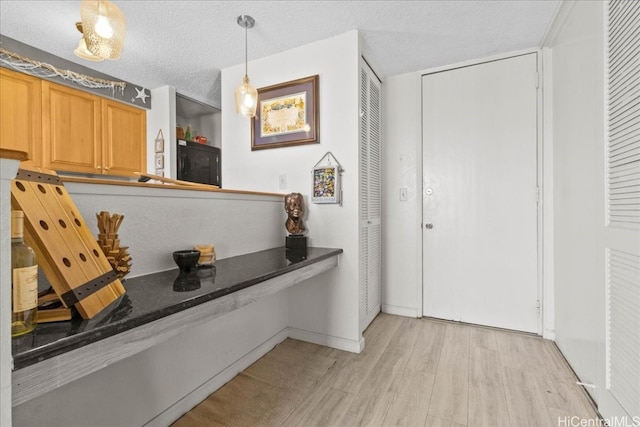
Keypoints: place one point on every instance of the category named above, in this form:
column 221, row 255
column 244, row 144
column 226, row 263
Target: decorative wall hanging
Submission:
column 287, row 115
column 159, row 142
column 159, row 150
column 42, row 69
column 326, row 176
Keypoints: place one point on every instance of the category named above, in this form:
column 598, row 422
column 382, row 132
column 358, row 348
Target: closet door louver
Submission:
column 623, row 206
column 623, row 189
column 623, row 338
column 370, row 196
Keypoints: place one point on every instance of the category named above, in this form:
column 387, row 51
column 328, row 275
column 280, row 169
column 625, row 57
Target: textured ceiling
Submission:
column 185, row 43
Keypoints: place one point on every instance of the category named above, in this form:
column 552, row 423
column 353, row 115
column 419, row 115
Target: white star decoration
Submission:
column 141, row 95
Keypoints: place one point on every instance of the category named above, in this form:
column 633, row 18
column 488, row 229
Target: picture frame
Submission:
column 159, row 142
column 326, row 184
column 287, row 115
column 159, row 161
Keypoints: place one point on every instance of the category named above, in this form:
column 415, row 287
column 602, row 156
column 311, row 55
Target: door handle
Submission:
column 428, row 225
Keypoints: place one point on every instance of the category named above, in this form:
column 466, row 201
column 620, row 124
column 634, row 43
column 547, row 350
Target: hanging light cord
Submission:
column 246, row 50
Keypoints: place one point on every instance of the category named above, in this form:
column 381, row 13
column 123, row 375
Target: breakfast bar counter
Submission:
column 155, row 308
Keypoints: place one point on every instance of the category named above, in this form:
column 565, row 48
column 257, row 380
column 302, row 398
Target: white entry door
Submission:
column 480, row 221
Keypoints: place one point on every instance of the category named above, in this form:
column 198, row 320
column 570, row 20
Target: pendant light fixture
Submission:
column 246, row 95
column 102, row 27
column 82, row 51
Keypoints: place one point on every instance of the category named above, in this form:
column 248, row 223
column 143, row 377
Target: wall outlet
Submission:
column 403, row 194
column 282, row 181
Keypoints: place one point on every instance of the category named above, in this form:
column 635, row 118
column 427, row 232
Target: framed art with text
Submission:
column 287, row 114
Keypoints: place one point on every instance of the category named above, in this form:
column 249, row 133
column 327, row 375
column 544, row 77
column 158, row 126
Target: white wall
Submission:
column 159, row 221
column 577, row 49
column 162, row 116
column 8, row 169
column 402, row 168
column 333, row 318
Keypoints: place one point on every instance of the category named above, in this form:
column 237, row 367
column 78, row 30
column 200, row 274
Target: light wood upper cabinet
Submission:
column 89, row 134
column 72, row 137
column 20, row 113
column 124, row 132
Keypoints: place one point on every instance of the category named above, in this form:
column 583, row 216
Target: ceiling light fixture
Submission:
column 102, row 27
column 82, row 51
column 246, row 95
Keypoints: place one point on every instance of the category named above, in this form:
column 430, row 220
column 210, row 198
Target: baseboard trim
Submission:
column 339, row 343
column 549, row 334
column 184, row 405
column 401, row 311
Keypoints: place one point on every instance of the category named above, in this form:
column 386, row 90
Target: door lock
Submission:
column 428, row 225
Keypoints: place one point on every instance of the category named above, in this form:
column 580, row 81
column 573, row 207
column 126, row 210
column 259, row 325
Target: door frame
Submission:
column 544, row 163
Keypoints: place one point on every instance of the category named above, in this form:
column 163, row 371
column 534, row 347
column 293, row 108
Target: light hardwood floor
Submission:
column 413, row 372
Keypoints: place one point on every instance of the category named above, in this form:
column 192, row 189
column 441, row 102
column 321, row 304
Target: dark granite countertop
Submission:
column 158, row 295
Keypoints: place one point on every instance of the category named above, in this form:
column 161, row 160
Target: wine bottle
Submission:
column 24, row 280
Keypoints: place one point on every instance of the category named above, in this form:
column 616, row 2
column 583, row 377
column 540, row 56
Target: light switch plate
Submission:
column 403, row 194
column 282, row 181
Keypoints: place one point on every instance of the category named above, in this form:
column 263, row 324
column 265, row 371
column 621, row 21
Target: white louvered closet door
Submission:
column 370, row 196
column 622, row 231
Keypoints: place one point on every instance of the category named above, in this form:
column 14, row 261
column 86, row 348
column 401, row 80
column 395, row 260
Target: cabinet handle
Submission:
column 98, row 167
column 106, row 168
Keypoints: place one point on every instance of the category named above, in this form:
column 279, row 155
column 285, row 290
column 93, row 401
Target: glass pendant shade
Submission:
column 103, row 28
column 246, row 99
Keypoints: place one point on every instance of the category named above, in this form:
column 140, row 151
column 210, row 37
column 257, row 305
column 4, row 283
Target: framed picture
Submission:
column 287, row 114
column 159, row 161
column 326, row 184
column 159, row 142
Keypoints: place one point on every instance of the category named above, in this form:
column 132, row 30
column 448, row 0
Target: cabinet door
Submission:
column 71, row 129
column 20, row 121
column 124, row 136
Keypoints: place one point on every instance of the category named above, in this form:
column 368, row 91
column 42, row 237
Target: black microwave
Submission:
column 199, row 163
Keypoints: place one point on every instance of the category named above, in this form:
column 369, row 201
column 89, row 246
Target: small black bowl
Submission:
column 186, row 260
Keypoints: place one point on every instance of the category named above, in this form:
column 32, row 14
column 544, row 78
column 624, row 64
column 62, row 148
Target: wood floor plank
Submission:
column 370, row 406
column 352, row 373
column 261, row 403
column 286, row 367
column 483, row 338
column 439, row 422
column 428, row 346
column 450, row 396
column 323, row 406
column 410, row 404
column 487, row 400
column 512, row 349
column 524, row 399
column 413, row 372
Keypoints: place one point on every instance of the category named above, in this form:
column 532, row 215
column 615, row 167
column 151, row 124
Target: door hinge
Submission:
column 538, row 82
column 538, row 195
column 538, row 306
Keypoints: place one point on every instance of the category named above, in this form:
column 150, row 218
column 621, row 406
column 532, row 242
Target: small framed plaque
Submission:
column 159, row 142
column 326, row 184
column 159, row 161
